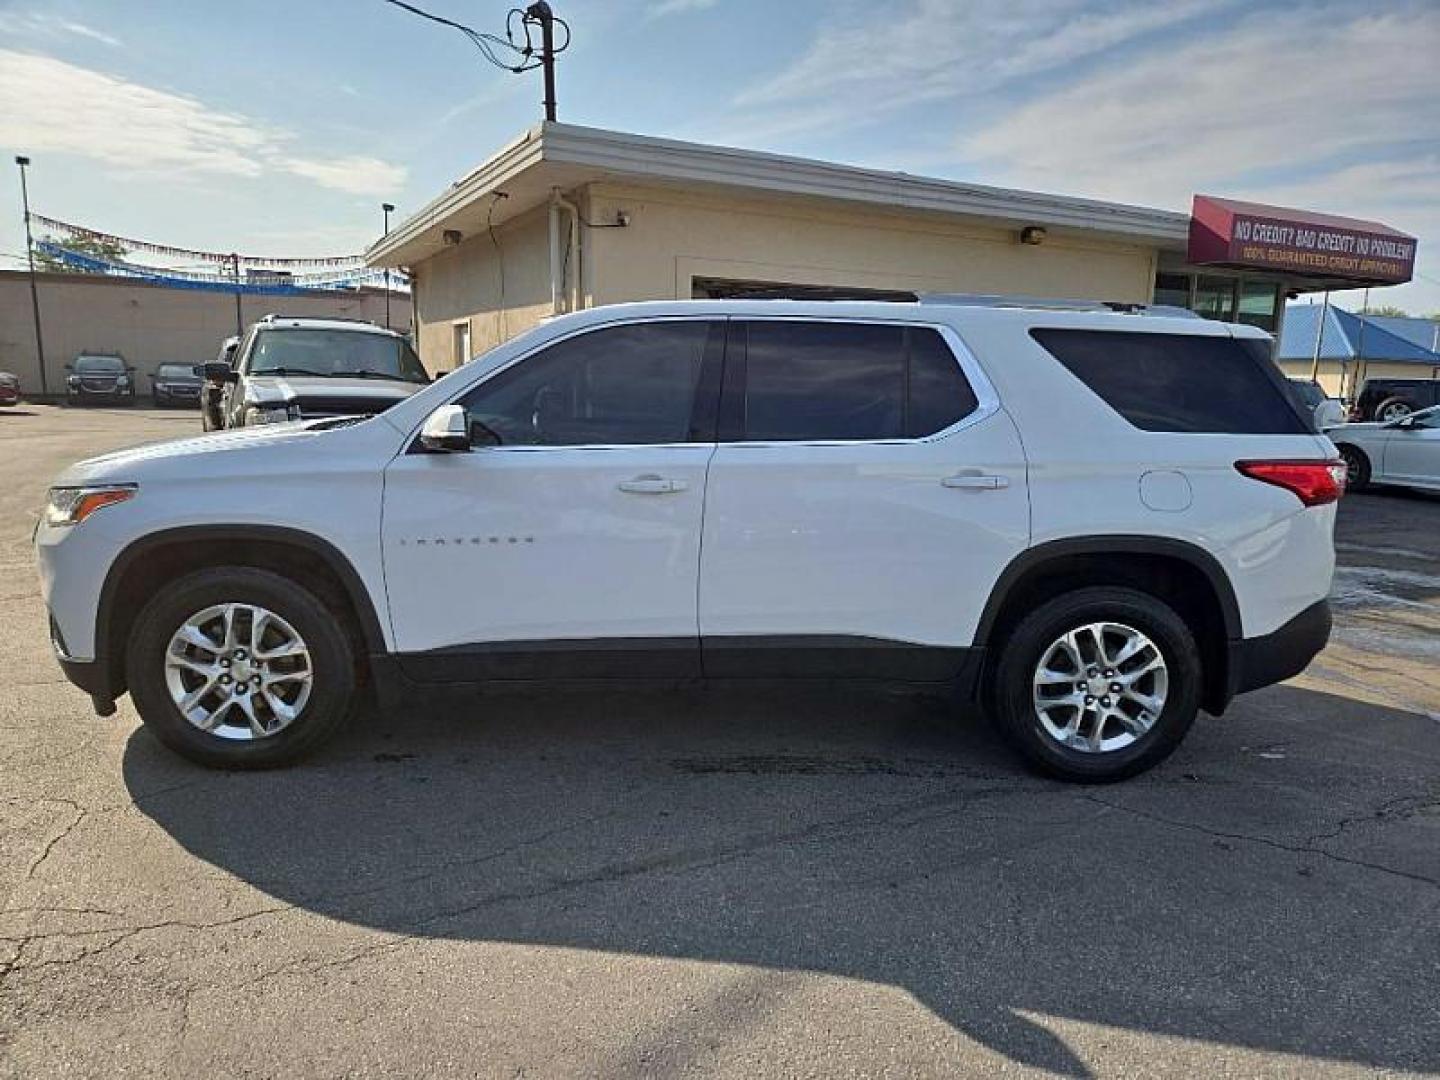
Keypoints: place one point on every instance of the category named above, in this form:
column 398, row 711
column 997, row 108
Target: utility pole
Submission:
column 1319, row 336
column 387, row 209
column 235, row 272
column 540, row 12
column 22, row 161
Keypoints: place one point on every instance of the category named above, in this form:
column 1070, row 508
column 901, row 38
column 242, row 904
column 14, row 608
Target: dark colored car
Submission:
column 9, row 389
column 1390, row 399
column 175, row 384
column 100, row 377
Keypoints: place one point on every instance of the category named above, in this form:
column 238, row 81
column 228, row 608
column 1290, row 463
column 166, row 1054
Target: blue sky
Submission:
column 278, row 127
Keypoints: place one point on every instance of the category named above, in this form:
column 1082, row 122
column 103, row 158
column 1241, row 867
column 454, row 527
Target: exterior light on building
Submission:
column 452, row 237
column 1032, row 234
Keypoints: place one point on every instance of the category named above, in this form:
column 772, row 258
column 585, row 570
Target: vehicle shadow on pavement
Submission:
column 1273, row 886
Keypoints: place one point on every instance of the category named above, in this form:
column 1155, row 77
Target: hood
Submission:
column 287, row 389
column 140, row 461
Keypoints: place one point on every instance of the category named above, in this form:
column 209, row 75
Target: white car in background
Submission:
column 1327, row 411
column 1404, row 451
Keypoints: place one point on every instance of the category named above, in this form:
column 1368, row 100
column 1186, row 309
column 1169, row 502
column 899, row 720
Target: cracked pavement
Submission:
column 726, row 882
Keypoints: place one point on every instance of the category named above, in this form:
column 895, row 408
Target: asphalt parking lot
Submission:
column 724, row 882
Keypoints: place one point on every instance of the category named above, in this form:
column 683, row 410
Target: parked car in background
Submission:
column 985, row 500
column 100, row 377
column 1405, row 451
column 9, row 388
column 1390, row 399
column 1326, row 410
column 297, row 369
column 175, row 384
column 212, row 386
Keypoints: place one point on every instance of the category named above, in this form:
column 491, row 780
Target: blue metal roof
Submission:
column 1347, row 336
column 1423, row 332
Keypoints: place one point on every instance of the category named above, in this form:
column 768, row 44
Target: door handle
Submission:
column 650, row 484
column 976, row 482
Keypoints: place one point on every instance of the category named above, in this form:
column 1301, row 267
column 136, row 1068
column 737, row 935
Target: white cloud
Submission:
column 678, row 7
column 42, row 25
column 1267, row 93
column 357, row 175
column 50, row 105
column 942, row 48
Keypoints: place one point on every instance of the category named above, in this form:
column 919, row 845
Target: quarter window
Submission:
column 620, row 385
column 1180, row 382
column 807, row 382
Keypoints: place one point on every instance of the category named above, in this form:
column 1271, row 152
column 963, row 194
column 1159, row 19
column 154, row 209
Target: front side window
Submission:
column 1180, row 382
column 339, row 353
column 616, row 386
column 822, row 381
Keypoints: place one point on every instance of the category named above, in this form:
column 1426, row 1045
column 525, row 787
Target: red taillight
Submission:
column 1314, row 483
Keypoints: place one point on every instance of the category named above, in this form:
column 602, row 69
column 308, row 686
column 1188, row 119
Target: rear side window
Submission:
column 808, row 382
column 1180, row 382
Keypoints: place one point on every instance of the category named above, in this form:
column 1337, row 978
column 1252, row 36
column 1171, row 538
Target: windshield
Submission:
column 334, row 353
column 175, row 371
column 107, row 364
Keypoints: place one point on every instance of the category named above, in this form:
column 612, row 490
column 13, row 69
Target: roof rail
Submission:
column 274, row 316
column 1051, row 303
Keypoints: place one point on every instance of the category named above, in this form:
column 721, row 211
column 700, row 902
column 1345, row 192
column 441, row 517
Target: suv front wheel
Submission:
column 1097, row 685
column 237, row 667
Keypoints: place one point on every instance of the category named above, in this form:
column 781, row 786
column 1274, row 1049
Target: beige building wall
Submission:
column 148, row 324
column 1339, row 380
column 495, row 287
column 676, row 236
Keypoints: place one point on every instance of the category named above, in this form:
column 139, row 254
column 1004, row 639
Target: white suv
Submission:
column 1094, row 522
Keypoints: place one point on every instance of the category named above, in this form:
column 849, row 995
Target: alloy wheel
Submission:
column 1100, row 687
column 238, row 671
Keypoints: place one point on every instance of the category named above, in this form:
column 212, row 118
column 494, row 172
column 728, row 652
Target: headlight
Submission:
column 72, row 505
column 73, row 380
column 123, row 380
column 269, row 414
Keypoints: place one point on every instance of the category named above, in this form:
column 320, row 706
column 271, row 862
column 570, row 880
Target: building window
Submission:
column 460, row 349
column 1215, row 297
column 1172, row 290
column 1259, row 304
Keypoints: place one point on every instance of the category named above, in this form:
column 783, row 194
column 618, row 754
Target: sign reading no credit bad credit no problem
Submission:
column 1239, row 234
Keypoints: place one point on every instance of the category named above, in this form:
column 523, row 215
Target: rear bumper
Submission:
column 1275, row 657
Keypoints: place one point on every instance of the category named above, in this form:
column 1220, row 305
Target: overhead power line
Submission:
column 517, row 51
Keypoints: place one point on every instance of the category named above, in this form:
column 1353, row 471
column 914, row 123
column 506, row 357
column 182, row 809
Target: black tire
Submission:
column 333, row 694
column 1400, row 406
column 1011, row 681
column 1357, row 467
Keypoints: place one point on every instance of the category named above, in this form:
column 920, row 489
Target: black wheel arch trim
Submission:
column 1118, row 544
column 354, row 585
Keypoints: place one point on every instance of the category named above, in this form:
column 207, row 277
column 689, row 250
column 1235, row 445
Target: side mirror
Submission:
column 217, row 372
column 446, row 430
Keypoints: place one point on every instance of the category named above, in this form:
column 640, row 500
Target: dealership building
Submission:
column 567, row 217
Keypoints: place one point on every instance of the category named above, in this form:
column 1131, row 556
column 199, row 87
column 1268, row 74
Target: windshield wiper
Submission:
column 287, row 371
column 368, row 373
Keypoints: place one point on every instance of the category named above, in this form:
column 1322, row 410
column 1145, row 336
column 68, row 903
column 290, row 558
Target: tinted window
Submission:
column 816, row 381
column 625, row 384
column 1180, row 382
column 1309, row 393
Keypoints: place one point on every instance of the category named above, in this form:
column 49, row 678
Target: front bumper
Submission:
column 1277, row 656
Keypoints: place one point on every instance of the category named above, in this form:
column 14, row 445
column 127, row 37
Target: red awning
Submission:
column 1241, row 235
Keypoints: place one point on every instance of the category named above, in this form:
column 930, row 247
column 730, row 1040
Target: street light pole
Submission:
column 386, row 208
column 22, row 161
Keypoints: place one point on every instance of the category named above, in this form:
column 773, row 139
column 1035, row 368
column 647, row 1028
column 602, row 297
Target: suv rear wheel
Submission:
column 240, row 668
column 1097, row 685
